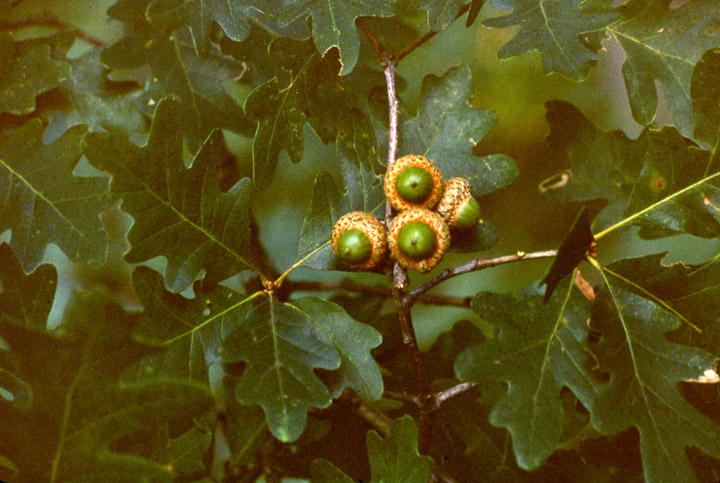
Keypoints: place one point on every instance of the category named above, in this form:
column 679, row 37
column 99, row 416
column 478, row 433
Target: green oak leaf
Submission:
column 283, row 344
column 43, row 202
column 25, row 300
column 446, row 129
column 26, row 73
column 199, row 15
column 657, row 181
column 190, row 329
column 705, row 95
column 175, row 69
column 395, row 458
column 663, row 44
column 538, row 350
column 691, row 292
column 69, row 409
column 334, row 24
column 323, row 471
column 327, row 205
column 99, row 103
column 557, row 29
column 358, row 161
column 180, row 213
column 645, row 370
column 282, row 111
column 441, row 13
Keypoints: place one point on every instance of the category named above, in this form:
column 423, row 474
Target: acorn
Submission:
column 458, row 207
column 359, row 240
column 418, row 238
column 413, row 181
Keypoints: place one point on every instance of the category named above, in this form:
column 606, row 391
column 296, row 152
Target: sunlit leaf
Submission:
column 558, row 29
column 284, row 343
column 43, row 202
column 645, row 369
column 180, row 213
column 539, row 349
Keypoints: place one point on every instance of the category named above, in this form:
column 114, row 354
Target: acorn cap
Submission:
column 413, row 181
column 359, row 240
column 457, row 206
column 403, row 248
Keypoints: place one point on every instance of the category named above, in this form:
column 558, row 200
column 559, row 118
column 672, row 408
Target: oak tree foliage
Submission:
column 163, row 318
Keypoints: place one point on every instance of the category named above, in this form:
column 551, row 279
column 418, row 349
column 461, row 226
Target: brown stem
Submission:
column 49, row 20
column 427, row 36
column 379, row 421
column 447, row 394
column 475, row 265
column 371, row 290
column 401, row 396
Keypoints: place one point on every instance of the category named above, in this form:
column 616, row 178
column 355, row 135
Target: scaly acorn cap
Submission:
column 413, row 181
column 457, row 206
column 359, row 240
column 418, row 238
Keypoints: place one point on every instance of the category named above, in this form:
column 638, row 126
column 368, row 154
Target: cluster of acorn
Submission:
column 419, row 235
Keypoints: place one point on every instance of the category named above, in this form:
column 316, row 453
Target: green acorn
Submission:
column 418, row 238
column 359, row 240
column 458, row 207
column 413, row 182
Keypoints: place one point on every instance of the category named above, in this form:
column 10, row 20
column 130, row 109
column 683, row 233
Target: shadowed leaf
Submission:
column 540, row 348
column 284, row 343
column 396, row 458
column 43, row 202
column 179, row 213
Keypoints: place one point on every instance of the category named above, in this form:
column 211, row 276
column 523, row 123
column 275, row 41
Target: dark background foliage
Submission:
column 170, row 308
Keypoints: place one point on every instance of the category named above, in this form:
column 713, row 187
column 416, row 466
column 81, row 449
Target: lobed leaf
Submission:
column 282, row 112
column 538, row 350
column 190, row 329
column 645, row 370
column 179, row 213
column 564, row 32
column 43, row 202
column 333, row 24
column 447, row 128
column 663, row 44
column 26, row 73
column 175, row 70
column 396, row 458
column 657, row 181
column 705, row 95
column 199, row 15
column 284, row 343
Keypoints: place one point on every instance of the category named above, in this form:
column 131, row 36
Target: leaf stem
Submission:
column 371, row 290
column 475, row 265
column 654, row 205
column 214, row 317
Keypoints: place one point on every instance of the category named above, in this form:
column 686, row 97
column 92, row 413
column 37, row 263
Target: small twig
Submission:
column 427, row 36
column 401, row 396
column 447, row 394
column 379, row 49
column 372, row 290
column 49, row 20
column 379, row 421
column 475, row 265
